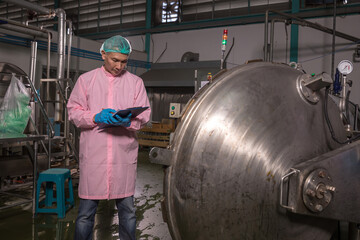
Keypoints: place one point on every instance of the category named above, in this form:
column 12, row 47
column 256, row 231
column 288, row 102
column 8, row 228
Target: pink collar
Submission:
column 110, row 75
column 107, row 73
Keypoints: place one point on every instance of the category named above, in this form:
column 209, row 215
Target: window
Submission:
column 170, row 11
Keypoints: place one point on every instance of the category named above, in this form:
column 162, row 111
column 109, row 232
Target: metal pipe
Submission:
column 32, row 78
column 60, row 75
column 304, row 23
column 48, row 71
column 61, row 41
column 162, row 53
column 266, row 36
column 318, row 26
column 232, row 45
column 61, row 92
column 70, row 33
column 49, row 151
column 333, row 41
column 66, row 120
column 38, row 133
column 33, row 61
column 272, row 29
column 48, row 56
column 22, row 25
column 61, row 59
column 34, row 179
column 21, row 28
column 222, row 60
column 52, row 132
column 29, row 5
column 342, row 104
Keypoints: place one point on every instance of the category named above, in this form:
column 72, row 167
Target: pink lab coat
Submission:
column 108, row 157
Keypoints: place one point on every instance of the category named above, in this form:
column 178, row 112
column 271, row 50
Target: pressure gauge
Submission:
column 345, row 67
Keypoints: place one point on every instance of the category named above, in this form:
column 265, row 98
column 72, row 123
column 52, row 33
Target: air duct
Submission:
column 190, row 57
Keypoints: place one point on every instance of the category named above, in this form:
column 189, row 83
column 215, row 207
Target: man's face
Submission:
column 114, row 62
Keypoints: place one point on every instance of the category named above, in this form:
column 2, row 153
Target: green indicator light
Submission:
column 224, row 42
column 173, row 107
column 313, row 74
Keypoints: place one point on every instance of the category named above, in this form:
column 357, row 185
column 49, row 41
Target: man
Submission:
column 108, row 155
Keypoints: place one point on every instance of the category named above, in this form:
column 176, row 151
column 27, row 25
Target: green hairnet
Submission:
column 116, row 44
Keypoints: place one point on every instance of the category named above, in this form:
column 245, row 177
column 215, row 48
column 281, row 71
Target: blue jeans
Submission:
column 85, row 220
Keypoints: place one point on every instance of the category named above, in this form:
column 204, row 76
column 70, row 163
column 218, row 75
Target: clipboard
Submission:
column 135, row 111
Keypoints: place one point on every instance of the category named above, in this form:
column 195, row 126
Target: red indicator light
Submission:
column 225, row 37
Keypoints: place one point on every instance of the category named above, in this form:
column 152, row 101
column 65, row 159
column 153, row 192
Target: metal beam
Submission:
column 148, row 26
column 239, row 20
column 294, row 37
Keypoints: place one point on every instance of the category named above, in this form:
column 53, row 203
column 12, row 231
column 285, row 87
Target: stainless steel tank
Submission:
column 237, row 138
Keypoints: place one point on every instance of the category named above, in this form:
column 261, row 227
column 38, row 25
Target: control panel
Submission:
column 174, row 111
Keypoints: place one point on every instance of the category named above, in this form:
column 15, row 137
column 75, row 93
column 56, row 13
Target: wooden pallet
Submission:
column 156, row 135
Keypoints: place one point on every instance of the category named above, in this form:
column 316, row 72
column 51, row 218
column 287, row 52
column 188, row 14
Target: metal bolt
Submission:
column 319, row 208
column 310, row 192
column 330, row 188
column 322, row 174
column 320, row 190
column 154, row 155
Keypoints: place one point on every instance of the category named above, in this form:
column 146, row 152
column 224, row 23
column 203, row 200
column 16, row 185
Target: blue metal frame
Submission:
column 148, row 26
column 42, row 45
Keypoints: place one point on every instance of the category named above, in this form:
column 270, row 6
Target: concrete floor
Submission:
column 17, row 222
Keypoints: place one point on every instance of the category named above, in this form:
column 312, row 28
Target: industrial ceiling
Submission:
column 97, row 19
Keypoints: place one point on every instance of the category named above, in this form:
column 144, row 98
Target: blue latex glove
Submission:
column 122, row 121
column 105, row 116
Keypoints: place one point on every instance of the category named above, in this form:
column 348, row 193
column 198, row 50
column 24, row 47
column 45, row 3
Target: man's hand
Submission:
column 105, row 116
column 123, row 121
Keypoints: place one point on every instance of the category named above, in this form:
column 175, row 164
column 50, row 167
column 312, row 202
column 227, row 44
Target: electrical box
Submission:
column 174, row 111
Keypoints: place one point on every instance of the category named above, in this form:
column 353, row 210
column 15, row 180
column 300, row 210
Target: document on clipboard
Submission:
column 135, row 111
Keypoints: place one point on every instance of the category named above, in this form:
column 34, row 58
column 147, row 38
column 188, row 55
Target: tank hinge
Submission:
column 161, row 156
column 309, row 85
column 325, row 186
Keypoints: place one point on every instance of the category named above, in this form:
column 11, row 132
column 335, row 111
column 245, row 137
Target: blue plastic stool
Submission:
column 57, row 176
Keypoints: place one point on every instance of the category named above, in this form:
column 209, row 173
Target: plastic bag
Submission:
column 15, row 111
